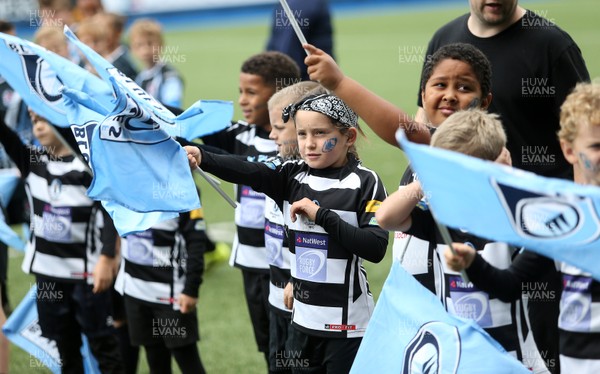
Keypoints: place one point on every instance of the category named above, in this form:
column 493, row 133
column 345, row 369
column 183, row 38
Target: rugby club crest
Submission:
column 549, row 217
column 435, row 348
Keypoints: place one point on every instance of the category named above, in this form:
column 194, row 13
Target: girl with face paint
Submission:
column 329, row 202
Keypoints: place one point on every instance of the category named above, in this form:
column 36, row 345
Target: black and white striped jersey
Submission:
column 579, row 322
column 66, row 237
column 164, row 261
column 243, row 139
column 331, row 292
column 278, row 252
column 163, row 82
column 506, row 322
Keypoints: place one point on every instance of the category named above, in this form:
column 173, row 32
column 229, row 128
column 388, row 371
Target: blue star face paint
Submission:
column 329, row 145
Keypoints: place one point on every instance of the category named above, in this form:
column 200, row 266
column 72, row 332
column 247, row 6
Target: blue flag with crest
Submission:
column 38, row 75
column 553, row 217
column 202, row 118
column 126, row 221
column 410, row 333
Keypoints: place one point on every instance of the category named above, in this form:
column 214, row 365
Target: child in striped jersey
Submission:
column 478, row 134
column 261, row 76
column 328, row 201
column 159, row 278
column 456, row 77
column 578, row 323
column 284, row 135
column 71, row 250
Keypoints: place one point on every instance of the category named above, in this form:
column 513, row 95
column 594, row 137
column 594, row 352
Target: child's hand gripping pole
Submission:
column 448, row 240
column 294, row 23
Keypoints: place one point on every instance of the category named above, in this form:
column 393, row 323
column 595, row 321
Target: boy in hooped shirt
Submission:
column 478, row 134
column 261, row 76
column 578, row 323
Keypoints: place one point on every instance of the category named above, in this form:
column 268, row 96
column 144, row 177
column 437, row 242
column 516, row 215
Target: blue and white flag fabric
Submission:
column 8, row 236
column 126, row 221
column 137, row 165
column 202, row 118
column 410, row 332
column 9, row 178
column 23, row 330
column 553, row 217
column 38, row 75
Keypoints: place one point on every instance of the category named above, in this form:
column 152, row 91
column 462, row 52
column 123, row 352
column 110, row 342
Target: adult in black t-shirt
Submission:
column 535, row 65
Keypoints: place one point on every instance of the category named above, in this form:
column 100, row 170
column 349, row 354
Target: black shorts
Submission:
column 256, row 289
column 314, row 354
column 149, row 325
column 280, row 325
column 65, row 306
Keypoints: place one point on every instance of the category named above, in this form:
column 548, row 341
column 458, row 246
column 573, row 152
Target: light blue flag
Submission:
column 126, row 221
column 139, row 166
column 23, row 330
column 411, row 333
column 9, row 237
column 129, row 222
column 553, row 217
column 38, row 76
column 202, row 118
column 9, row 178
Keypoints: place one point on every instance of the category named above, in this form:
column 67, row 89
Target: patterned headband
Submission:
column 329, row 105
